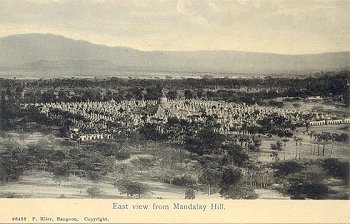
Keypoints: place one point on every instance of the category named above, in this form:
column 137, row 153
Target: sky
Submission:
column 287, row 27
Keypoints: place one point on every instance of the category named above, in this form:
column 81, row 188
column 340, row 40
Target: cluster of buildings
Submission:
column 329, row 122
column 101, row 120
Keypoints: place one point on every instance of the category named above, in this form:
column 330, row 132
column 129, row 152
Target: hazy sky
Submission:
column 291, row 27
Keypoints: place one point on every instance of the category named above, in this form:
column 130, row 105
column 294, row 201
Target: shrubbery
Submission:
column 287, row 167
column 278, row 146
column 308, row 179
column 94, row 192
column 132, row 188
column 336, row 168
column 239, row 192
column 91, row 164
column 185, row 180
column 304, row 190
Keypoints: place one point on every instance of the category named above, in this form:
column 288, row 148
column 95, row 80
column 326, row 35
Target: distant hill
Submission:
column 52, row 51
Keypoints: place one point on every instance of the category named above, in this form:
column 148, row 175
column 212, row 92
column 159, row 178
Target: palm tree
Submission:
column 332, row 137
column 312, row 133
column 285, row 140
column 300, row 141
column 318, row 141
column 297, row 141
column 325, row 137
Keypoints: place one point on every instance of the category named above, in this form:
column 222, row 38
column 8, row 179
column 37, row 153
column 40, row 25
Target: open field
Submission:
column 40, row 184
column 306, row 105
column 309, row 145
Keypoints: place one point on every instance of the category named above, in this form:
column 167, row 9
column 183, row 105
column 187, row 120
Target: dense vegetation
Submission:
column 239, row 90
column 206, row 159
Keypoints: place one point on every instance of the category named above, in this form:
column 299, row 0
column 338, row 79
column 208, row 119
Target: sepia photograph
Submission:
column 174, row 99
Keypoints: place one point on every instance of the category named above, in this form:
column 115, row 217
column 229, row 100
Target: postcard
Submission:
column 174, row 111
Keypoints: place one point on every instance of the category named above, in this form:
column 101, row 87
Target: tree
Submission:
column 278, row 146
column 188, row 94
column 205, row 142
column 48, row 96
column 94, row 164
column 298, row 141
column 185, row 180
column 143, row 163
column 235, row 154
column 307, row 184
column 318, row 139
column 63, row 132
column 285, row 140
column 10, row 169
column 150, row 132
column 230, row 178
column 256, row 144
column 296, row 105
column 61, row 170
column 12, row 164
column 200, row 93
column 153, row 93
column 308, row 190
column 240, row 192
column 275, row 156
column 324, row 138
column 190, row 194
column 123, row 170
column 132, row 188
column 58, row 156
column 94, row 192
column 337, row 168
column 287, row 167
column 210, row 177
column 277, row 124
column 137, row 93
column 172, row 95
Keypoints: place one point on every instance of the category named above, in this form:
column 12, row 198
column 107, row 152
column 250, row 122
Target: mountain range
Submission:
column 36, row 51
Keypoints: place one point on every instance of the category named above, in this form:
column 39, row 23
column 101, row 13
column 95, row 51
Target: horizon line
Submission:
column 163, row 50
